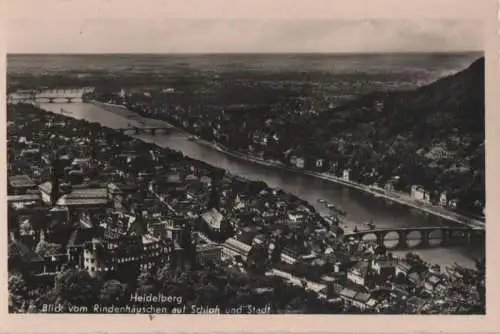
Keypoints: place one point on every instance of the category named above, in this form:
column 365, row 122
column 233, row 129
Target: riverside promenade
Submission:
column 397, row 197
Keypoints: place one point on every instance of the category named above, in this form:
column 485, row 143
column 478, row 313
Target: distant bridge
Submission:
column 44, row 99
column 421, row 237
column 147, row 130
column 50, row 95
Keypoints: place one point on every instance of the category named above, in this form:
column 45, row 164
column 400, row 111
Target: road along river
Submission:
column 360, row 206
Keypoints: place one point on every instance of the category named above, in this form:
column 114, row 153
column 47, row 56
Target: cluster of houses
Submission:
column 97, row 191
column 109, row 204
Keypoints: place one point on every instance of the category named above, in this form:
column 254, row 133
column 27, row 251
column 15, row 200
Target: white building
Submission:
column 122, row 93
column 299, row 162
column 213, row 219
column 443, row 199
column 419, row 193
column 402, row 267
column 357, row 274
column 361, row 300
column 453, row 203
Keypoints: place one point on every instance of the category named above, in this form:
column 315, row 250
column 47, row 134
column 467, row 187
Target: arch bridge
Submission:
column 146, row 130
column 421, row 237
column 67, row 95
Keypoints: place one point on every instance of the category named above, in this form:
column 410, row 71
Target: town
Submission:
column 276, row 137
column 96, row 216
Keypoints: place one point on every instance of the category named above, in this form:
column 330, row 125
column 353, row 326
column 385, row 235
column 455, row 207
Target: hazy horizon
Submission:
column 243, row 36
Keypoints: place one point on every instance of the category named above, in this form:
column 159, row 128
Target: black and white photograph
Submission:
column 245, row 166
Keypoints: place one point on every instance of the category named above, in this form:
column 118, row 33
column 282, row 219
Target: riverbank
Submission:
column 399, row 198
column 359, row 205
column 392, row 196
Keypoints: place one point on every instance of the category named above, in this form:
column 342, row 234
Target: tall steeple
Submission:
column 56, row 173
column 214, row 200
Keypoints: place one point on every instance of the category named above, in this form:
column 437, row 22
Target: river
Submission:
column 360, row 207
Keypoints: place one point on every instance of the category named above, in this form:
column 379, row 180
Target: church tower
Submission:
column 214, row 200
column 56, row 174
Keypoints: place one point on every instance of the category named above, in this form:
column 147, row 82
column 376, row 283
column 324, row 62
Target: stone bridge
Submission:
column 149, row 130
column 421, row 237
column 50, row 95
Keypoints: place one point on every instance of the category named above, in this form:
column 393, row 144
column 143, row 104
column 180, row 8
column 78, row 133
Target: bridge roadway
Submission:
column 51, row 96
column 149, row 130
column 421, row 237
column 41, row 99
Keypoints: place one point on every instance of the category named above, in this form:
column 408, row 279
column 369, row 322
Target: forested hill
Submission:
column 433, row 136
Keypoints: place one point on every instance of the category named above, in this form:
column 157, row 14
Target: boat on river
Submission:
column 335, row 209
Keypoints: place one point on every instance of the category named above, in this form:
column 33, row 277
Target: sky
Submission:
column 119, row 35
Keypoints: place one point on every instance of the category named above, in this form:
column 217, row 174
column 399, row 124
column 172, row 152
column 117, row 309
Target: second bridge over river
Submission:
column 146, row 130
column 421, row 237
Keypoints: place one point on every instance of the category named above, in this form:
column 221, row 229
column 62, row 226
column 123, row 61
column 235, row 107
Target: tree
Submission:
column 113, row 292
column 257, row 260
column 42, row 297
column 45, row 248
column 41, row 220
column 18, row 292
column 12, row 220
column 226, row 230
column 146, row 283
column 76, row 287
column 481, row 284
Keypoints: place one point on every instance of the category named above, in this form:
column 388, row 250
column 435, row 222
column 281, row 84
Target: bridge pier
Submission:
column 403, row 236
column 477, row 237
column 442, row 236
column 380, row 238
column 425, row 235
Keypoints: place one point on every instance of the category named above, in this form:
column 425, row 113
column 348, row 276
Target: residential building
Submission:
column 357, row 274
column 420, row 194
column 389, row 186
column 346, row 174
column 300, row 162
column 122, row 93
column 208, row 252
column 76, row 200
column 83, row 163
column 233, row 247
column 431, row 283
column 333, row 166
column 24, row 201
column 384, row 267
column 402, row 267
column 101, row 256
column 453, row 203
column 361, row 300
column 443, row 199
column 20, row 184
column 213, row 218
